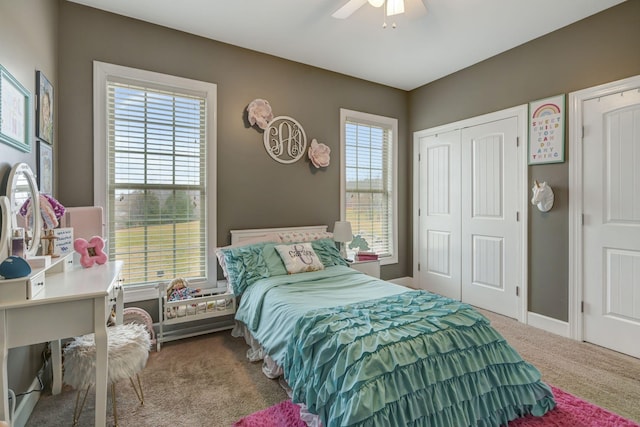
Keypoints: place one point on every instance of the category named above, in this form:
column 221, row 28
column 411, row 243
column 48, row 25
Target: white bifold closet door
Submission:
column 469, row 232
column 490, row 238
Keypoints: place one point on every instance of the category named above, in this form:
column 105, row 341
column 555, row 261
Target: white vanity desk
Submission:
column 75, row 301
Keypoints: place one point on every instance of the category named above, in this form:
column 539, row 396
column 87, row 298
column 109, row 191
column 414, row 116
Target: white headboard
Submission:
column 238, row 236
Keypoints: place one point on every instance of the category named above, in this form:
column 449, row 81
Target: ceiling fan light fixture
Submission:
column 395, row 7
column 376, row 3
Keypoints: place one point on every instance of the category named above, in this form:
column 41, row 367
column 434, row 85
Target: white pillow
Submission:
column 299, row 258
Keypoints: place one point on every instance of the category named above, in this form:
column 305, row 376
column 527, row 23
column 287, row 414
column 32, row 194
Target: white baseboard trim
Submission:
column 549, row 324
column 404, row 281
column 536, row 320
column 28, row 402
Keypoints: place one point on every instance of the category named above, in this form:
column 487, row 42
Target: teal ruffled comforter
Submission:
column 413, row 359
column 402, row 358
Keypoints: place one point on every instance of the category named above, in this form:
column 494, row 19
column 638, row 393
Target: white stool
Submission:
column 128, row 349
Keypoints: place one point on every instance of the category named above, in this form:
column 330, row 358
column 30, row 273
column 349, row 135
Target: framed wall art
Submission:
column 44, row 96
column 15, row 112
column 45, row 167
column 546, row 130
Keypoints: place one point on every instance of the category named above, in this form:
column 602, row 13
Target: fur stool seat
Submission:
column 128, row 349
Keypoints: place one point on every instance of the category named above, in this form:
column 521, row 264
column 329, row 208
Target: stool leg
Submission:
column 139, row 393
column 113, row 399
column 76, row 412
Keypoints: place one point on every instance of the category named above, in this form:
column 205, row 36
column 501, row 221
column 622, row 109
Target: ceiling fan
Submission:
column 393, row 7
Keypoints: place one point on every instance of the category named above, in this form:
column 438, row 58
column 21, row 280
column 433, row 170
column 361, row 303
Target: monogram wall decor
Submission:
column 285, row 140
column 284, row 137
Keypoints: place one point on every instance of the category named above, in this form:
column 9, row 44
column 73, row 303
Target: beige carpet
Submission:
column 206, row 381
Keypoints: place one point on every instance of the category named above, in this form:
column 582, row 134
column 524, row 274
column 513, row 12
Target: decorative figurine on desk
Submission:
column 179, row 289
column 91, row 252
column 48, row 249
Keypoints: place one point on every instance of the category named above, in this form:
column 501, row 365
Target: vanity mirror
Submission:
column 21, row 187
column 5, row 227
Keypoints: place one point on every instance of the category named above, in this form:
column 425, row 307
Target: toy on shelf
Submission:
column 179, row 289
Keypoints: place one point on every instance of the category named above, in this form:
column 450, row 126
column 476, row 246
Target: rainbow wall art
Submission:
column 546, row 130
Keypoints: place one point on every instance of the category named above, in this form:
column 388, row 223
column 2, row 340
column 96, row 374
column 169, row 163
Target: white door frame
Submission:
column 575, row 194
column 521, row 112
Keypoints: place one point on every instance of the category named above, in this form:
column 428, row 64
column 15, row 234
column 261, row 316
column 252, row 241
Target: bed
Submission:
column 358, row 351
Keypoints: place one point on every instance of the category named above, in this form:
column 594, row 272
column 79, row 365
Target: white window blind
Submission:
column 156, row 176
column 370, row 181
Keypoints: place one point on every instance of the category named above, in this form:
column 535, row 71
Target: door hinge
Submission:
column 517, row 291
column 581, row 306
column 582, row 218
column 419, row 157
column 582, row 136
column 517, row 141
column 418, row 266
column 517, row 216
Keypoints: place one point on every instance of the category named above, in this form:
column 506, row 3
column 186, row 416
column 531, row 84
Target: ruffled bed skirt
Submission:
column 271, row 369
column 256, row 352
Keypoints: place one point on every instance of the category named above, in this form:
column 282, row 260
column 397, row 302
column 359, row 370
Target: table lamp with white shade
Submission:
column 342, row 234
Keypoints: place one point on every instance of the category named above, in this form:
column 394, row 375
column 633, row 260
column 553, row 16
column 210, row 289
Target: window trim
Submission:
column 102, row 72
column 383, row 121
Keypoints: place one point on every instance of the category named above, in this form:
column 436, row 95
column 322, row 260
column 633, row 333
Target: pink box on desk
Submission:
column 86, row 221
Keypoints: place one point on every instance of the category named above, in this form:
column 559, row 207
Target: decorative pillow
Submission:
column 303, row 236
column 245, row 265
column 220, row 254
column 272, row 259
column 299, row 258
column 328, row 253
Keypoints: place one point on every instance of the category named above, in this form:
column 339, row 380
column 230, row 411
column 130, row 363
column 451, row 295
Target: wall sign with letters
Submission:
column 546, row 130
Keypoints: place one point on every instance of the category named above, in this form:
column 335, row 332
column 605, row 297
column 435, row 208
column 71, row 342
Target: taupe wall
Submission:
column 253, row 190
column 596, row 50
column 22, row 53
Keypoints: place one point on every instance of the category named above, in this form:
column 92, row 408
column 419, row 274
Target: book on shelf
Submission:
column 366, row 256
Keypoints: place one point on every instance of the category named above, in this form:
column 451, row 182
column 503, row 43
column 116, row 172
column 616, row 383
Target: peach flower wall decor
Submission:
column 319, row 154
column 259, row 113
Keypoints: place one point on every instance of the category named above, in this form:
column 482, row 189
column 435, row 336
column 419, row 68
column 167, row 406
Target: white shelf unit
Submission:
column 370, row 267
column 192, row 315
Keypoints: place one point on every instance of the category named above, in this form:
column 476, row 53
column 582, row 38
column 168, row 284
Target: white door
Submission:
column 611, row 230
column 439, row 253
column 469, row 239
column 490, row 229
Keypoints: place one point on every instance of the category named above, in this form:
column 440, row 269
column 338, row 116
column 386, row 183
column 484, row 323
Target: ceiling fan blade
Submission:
column 351, row 6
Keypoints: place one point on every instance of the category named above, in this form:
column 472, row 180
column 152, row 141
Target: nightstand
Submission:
column 372, row 268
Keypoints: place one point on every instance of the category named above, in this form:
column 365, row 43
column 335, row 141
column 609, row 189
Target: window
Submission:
column 154, row 164
column 369, row 180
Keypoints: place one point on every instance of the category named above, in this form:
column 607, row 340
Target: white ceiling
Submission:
column 427, row 44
